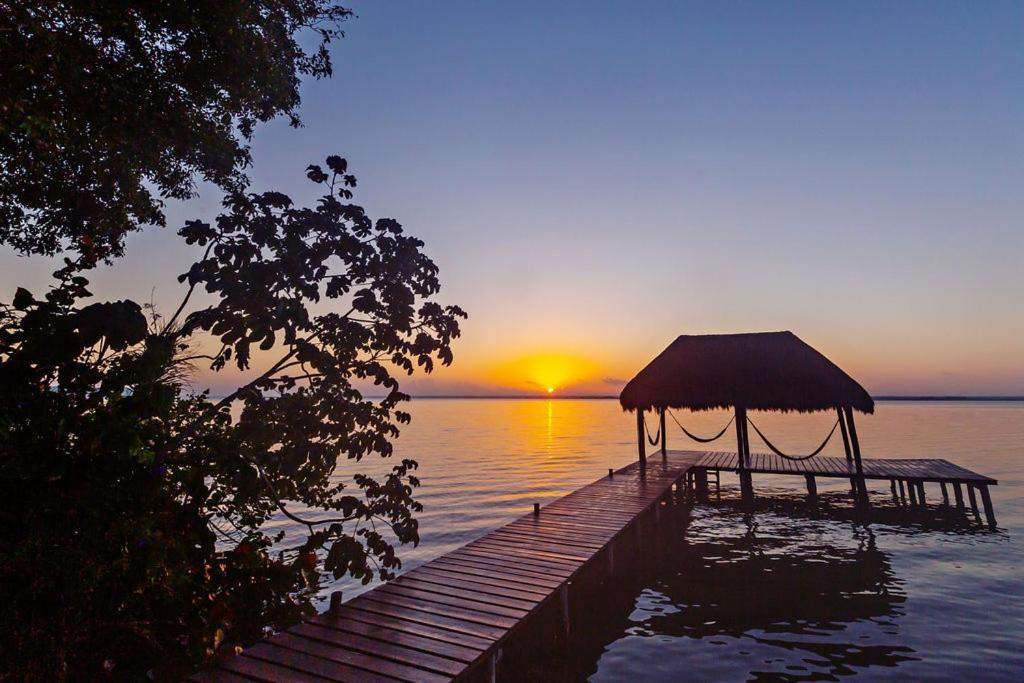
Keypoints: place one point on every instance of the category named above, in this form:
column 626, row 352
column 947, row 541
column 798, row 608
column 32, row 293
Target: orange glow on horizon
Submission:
column 546, row 373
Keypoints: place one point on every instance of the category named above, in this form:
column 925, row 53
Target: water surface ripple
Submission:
column 785, row 592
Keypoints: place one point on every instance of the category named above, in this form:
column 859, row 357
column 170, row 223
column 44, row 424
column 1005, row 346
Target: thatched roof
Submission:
column 758, row 371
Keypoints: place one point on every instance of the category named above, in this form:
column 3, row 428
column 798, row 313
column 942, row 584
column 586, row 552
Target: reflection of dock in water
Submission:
column 776, row 580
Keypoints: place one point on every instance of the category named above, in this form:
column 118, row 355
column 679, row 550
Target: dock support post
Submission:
column 986, row 499
column 812, row 488
column 700, row 480
column 959, row 495
column 640, row 436
column 747, row 486
column 920, row 492
column 564, row 599
column 895, row 495
column 912, row 489
column 664, row 446
column 974, row 501
column 945, row 493
column 903, row 492
column 492, row 665
column 335, row 607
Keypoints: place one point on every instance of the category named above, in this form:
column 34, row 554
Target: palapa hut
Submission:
column 751, row 371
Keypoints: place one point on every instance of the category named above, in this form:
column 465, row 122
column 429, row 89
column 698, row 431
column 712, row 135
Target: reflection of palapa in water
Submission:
column 755, row 586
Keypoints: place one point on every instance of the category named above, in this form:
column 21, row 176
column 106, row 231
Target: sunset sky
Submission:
column 594, row 179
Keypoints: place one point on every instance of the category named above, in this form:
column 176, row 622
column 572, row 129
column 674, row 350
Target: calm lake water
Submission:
column 782, row 593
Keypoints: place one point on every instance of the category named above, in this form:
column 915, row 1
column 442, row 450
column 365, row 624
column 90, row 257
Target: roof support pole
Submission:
column 743, row 454
column 862, row 489
column 846, row 437
column 664, row 448
column 740, row 453
column 854, row 442
column 640, row 436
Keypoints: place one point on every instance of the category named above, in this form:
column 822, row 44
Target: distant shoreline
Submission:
column 603, row 397
column 606, row 397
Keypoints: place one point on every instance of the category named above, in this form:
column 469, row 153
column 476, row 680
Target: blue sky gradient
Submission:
column 596, row 178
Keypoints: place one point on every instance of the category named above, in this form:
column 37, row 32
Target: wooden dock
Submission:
column 904, row 476
column 452, row 617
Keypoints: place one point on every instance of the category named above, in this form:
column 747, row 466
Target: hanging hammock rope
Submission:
column 779, row 453
column 654, row 441
column 699, row 438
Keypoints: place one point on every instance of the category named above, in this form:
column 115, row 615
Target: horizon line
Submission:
column 604, row 397
column 884, row 397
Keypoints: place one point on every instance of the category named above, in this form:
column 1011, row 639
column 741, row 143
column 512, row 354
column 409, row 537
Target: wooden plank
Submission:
column 514, row 569
column 560, row 527
column 566, row 539
column 253, row 667
column 498, row 622
column 497, row 614
column 534, row 551
column 525, row 562
column 592, row 525
column 430, row 617
column 553, row 544
column 218, row 676
column 399, row 659
column 481, row 583
column 484, row 594
column 451, row 651
column 312, row 655
column 611, row 505
column 498, row 570
column 551, row 528
column 540, row 551
column 910, row 469
column 598, row 519
column 444, row 637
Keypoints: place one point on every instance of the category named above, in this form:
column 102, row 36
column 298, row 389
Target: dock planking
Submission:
column 931, row 469
column 451, row 615
column 913, row 473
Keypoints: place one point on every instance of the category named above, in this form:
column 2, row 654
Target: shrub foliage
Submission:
column 132, row 518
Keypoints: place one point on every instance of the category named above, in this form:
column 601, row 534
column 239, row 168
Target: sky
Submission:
column 594, row 179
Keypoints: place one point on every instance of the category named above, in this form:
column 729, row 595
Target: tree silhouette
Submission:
column 131, row 518
column 108, row 108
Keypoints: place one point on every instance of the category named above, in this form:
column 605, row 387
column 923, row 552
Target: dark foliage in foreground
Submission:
column 106, row 108
column 130, row 524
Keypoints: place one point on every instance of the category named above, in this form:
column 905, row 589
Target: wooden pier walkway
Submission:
column 451, row 617
column 912, row 474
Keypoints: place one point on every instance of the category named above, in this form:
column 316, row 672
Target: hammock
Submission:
column 654, row 441
column 779, row 453
column 701, row 439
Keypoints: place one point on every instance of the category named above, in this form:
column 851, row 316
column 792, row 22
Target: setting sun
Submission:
column 546, row 373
